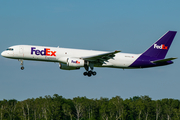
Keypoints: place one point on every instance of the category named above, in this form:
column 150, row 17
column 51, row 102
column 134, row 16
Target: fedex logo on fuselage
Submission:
column 46, row 52
column 162, row 46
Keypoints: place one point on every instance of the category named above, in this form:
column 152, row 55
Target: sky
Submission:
column 129, row 26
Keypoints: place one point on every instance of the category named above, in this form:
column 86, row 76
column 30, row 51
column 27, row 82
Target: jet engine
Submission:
column 65, row 67
column 74, row 62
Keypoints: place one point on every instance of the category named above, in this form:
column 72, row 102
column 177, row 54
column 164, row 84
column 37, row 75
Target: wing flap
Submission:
column 163, row 60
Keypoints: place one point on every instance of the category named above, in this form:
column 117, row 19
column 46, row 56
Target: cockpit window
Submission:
column 10, row 49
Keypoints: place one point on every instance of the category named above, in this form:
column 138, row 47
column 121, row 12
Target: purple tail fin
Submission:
column 160, row 48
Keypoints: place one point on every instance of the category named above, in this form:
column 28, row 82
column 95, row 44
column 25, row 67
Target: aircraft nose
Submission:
column 3, row 54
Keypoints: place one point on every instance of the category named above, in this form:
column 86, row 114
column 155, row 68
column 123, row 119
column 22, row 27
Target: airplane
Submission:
column 73, row 59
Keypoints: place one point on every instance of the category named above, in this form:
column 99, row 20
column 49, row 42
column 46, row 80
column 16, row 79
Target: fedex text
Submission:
column 77, row 62
column 162, row 46
column 45, row 52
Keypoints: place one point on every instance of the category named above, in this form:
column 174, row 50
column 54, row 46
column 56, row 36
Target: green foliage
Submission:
column 82, row 108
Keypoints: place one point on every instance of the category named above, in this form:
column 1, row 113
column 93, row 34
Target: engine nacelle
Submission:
column 65, row 67
column 74, row 62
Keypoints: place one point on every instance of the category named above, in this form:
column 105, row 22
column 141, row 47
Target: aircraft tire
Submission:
column 89, row 74
column 85, row 73
column 22, row 68
column 94, row 73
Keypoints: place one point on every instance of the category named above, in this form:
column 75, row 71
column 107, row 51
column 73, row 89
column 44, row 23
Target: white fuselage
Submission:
column 60, row 55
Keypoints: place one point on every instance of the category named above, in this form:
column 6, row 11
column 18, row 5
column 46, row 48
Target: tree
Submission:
column 148, row 106
column 10, row 108
column 82, row 108
column 117, row 107
column 91, row 108
column 57, row 103
column 79, row 106
column 168, row 110
column 139, row 107
column 104, row 108
column 67, row 110
column 158, row 108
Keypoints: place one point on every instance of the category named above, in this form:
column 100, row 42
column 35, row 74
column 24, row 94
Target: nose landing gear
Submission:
column 22, row 67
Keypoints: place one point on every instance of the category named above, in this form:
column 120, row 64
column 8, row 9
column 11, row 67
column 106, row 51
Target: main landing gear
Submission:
column 91, row 72
column 22, row 67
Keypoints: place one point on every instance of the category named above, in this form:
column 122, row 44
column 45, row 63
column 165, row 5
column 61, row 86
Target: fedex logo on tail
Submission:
column 77, row 62
column 162, row 46
column 46, row 52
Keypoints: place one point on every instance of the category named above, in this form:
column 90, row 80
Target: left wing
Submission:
column 101, row 57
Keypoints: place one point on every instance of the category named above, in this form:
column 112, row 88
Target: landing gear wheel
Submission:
column 22, row 68
column 94, row 73
column 85, row 73
column 89, row 74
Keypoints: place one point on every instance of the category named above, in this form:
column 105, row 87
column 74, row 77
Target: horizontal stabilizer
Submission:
column 163, row 60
